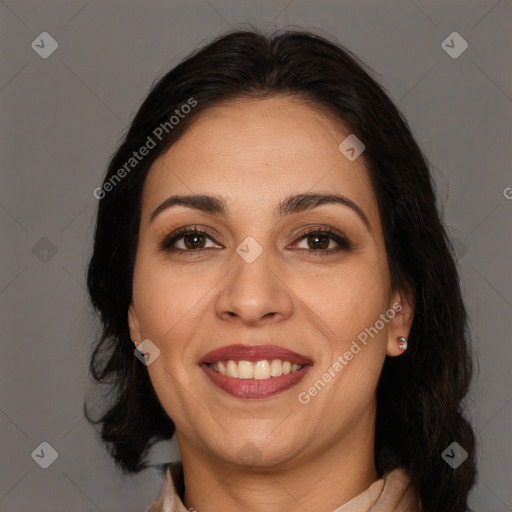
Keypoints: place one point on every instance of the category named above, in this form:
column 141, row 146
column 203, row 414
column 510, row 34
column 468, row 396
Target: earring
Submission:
column 402, row 343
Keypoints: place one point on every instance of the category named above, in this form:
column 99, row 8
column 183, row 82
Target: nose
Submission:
column 255, row 293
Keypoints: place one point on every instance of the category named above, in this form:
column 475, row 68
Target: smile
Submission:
column 254, row 372
column 260, row 370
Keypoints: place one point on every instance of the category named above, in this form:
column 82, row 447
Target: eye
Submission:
column 315, row 241
column 187, row 240
column 323, row 241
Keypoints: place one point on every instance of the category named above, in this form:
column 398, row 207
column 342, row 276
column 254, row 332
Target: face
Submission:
column 291, row 295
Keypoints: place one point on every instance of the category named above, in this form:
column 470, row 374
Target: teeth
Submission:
column 276, row 368
column 245, row 370
column 262, row 370
column 259, row 370
column 232, row 369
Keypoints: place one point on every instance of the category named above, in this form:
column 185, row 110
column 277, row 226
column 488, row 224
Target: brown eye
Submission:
column 188, row 240
column 194, row 241
column 319, row 241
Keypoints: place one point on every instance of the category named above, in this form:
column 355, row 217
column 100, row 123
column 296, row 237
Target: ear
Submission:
column 400, row 325
column 133, row 324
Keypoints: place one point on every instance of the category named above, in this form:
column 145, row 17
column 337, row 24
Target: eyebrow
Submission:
column 291, row 204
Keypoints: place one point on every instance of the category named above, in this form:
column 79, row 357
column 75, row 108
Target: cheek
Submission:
column 168, row 308
column 346, row 300
column 166, row 299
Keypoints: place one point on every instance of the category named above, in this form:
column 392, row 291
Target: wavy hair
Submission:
column 420, row 395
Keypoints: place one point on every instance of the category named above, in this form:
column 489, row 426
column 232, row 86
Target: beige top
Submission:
column 392, row 493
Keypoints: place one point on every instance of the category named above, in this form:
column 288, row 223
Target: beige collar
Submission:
column 393, row 493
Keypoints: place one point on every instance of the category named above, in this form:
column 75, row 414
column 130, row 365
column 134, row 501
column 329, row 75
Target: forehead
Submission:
column 257, row 151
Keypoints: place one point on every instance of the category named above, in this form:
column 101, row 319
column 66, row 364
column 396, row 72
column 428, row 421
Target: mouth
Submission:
column 254, row 371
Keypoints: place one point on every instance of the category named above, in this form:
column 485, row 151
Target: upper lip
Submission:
column 253, row 353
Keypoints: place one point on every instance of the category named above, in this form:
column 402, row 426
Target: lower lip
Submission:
column 255, row 388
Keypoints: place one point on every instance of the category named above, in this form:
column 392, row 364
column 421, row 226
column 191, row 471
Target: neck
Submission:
column 322, row 482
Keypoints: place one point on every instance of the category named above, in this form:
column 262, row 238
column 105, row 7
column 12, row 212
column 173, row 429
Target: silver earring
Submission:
column 402, row 343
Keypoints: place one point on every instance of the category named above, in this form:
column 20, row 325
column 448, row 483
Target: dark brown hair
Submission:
column 420, row 394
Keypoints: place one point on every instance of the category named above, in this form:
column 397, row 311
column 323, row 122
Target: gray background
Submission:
column 61, row 119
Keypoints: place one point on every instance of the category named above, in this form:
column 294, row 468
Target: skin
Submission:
column 253, row 153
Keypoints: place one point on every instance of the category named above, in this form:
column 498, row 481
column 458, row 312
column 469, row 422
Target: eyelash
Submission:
column 344, row 244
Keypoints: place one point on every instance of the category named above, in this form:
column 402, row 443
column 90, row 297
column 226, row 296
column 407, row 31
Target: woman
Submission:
column 268, row 242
